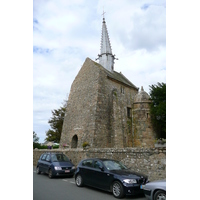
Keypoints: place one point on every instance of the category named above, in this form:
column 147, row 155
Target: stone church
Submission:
column 104, row 108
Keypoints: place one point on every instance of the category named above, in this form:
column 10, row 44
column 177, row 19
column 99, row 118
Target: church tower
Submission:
column 106, row 58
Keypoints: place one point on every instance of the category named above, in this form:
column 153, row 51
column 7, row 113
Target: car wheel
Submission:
column 117, row 189
column 50, row 173
column 79, row 180
column 38, row 170
column 160, row 195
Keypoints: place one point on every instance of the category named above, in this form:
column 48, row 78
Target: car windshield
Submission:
column 59, row 158
column 113, row 165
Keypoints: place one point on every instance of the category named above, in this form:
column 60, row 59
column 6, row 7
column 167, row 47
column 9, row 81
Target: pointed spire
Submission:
column 105, row 41
column 106, row 58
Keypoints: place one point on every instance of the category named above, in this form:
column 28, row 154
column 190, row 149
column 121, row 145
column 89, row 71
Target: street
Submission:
column 63, row 188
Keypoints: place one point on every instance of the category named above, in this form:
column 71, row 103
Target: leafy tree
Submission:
column 35, row 137
column 56, row 123
column 158, row 109
column 35, row 140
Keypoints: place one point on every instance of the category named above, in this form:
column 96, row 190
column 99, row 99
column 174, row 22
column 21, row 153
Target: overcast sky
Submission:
column 66, row 32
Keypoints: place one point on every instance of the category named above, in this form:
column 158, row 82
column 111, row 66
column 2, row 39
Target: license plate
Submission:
column 67, row 171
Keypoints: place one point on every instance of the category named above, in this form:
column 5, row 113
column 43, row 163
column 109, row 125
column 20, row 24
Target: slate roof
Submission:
column 119, row 77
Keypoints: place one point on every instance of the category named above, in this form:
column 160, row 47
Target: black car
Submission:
column 55, row 164
column 109, row 175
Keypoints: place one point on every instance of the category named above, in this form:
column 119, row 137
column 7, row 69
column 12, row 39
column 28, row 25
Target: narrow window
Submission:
column 122, row 89
column 128, row 112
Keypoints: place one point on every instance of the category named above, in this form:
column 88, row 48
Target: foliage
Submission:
column 56, row 123
column 158, row 109
column 85, row 144
column 35, row 137
column 39, row 146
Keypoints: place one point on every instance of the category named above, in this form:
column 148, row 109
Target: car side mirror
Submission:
column 101, row 168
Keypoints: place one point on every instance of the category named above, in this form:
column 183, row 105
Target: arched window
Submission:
column 74, row 141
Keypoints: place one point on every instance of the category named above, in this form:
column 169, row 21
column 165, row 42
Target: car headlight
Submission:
column 57, row 168
column 73, row 167
column 130, row 181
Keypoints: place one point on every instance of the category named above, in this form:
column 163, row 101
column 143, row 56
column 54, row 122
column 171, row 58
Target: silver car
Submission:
column 155, row 190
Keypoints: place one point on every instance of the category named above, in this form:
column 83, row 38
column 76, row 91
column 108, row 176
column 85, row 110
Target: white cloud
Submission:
column 66, row 32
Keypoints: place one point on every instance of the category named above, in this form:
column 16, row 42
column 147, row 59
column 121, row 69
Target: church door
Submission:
column 74, row 141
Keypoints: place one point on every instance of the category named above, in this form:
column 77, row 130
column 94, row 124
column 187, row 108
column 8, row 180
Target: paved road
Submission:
column 65, row 189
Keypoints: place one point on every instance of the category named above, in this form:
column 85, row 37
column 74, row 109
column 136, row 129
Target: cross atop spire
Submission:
column 103, row 14
column 106, row 58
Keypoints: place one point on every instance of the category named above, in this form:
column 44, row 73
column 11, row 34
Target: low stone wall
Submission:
column 150, row 161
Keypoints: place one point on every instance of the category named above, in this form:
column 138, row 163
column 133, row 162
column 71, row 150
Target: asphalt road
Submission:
column 63, row 188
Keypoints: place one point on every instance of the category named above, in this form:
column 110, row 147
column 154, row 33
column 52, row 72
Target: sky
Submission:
column 66, row 32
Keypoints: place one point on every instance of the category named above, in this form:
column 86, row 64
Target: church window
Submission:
column 122, row 89
column 128, row 112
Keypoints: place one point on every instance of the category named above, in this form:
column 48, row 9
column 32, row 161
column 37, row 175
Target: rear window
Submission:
column 87, row 163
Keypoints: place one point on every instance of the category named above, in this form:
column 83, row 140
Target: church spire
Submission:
column 106, row 58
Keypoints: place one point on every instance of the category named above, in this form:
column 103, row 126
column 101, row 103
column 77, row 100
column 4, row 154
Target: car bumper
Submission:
column 63, row 172
column 133, row 189
column 147, row 192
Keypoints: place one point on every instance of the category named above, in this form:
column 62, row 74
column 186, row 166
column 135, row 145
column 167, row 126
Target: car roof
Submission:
column 102, row 159
column 53, row 153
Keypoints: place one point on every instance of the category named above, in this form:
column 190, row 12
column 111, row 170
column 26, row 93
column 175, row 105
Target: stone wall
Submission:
column 150, row 161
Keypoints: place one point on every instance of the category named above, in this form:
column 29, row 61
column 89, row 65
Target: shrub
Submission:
column 85, row 144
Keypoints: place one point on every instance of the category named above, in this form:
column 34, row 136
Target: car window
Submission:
column 48, row 158
column 97, row 164
column 44, row 156
column 87, row 163
column 113, row 165
column 41, row 156
column 59, row 158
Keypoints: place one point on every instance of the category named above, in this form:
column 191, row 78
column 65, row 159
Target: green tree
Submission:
column 36, row 143
column 158, row 109
column 56, row 123
column 35, row 137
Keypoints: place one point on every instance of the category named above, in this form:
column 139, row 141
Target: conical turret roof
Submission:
column 142, row 96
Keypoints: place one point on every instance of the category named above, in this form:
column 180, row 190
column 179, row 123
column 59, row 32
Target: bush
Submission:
column 85, row 144
column 39, row 146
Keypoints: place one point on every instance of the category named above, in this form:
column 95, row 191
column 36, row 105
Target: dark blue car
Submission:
column 55, row 164
column 109, row 175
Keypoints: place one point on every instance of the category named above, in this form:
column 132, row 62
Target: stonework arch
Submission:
column 74, row 142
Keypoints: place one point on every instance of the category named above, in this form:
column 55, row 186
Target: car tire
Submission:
column 117, row 190
column 160, row 194
column 38, row 170
column 50, row 174
column 79, row 180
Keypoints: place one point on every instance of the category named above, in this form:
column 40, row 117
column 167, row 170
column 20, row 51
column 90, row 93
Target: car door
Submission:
column 87, row 171
column 41, row 163
column 101, row 178
column 47, row 163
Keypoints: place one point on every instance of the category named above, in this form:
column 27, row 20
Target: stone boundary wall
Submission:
column 150, row 161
